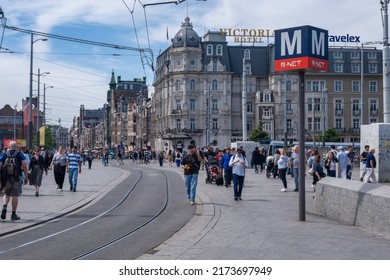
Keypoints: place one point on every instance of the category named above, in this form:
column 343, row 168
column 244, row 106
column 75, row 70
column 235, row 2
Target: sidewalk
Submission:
column 265, row 225
column 92, row 183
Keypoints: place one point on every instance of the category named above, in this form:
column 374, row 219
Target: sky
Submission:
column 80, row 73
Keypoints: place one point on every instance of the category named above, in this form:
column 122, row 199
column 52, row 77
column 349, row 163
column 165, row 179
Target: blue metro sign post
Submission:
column 300, row 49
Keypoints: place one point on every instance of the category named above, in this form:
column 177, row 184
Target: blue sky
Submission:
column 80, row 73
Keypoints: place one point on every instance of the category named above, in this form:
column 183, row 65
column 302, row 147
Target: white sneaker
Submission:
column 283, row 190
column 312, row 186
column 191, row 202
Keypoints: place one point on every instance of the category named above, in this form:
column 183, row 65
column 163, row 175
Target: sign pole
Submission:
column 301, row 143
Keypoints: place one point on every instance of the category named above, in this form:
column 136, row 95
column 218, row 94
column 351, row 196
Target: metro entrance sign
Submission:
column 301, row 48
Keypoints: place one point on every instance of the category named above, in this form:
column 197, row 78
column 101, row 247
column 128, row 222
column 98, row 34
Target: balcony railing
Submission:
column 340, row 130
column 374, row 112
column 176, row 112
column 356, row 112
column 214, row 111
column 339, row 112
column 290, row 111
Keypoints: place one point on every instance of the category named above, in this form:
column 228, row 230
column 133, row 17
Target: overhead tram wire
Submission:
column 82, row 41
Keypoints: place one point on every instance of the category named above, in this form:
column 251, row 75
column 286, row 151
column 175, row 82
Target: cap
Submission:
column 239, row 150
column 340, row 148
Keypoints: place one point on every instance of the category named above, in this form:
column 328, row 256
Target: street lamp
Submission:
column 30, row 125
column 38, row 101
column 140, row 99
column 323, row 90
column 44, row 102
column 244, row 109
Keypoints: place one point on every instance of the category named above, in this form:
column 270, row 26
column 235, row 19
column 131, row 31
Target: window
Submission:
column 288, row 86
column 339, row 123
column 310, row 124
column 248, row 69
column 267, row 97
column 339, row 67
column 373, row 68
column 356, row 123
column 373, row 105
column 355, row 55
column 355, row 67
column 192, row 124
column 339, row 104
column 249, row 106
column 178, row 124
column 355, row 105
column 215, row 64
column 215, row 123
column 178, row 104
column 249, row 126
column 266, row 113
column 317, row 123
column 209, row 50
column 177, row 85
column 214, row 104
column 267, row 126
column 192, row 104
column 214, row 85
column 247, row 54
column 373, row 120
column 338, row 55
column 355, row 86
column 373, row 86
column 315, row 86
column 371, row 55
column 219, row 49
column 338, row 86
column 192, row 85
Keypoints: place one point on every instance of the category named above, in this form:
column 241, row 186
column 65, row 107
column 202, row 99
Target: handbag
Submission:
column 311, row 171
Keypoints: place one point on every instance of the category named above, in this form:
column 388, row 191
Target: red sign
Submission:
column 21, row 142
column 306, row 62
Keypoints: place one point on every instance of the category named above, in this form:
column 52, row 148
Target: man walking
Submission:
column 191, row 165
column 239, row 163
column 73, row 167
column 12, row 163
column 363, row 160
column 371, row 165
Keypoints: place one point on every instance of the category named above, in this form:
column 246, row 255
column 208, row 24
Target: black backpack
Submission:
column 11, row 167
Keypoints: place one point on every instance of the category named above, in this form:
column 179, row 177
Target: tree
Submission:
column 258, row 134
column 331, row 135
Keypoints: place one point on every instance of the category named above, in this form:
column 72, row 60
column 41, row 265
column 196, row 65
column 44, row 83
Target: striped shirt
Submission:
column 74, row 160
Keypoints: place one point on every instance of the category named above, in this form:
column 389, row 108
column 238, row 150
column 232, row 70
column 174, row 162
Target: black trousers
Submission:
column 59, row 174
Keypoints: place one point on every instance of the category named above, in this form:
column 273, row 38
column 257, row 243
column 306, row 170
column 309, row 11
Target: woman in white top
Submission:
column 282, row 167
column 59, row 163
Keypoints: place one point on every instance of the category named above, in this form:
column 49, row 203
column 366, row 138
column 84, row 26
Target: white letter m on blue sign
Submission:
column 296, row 42
column 318, row 44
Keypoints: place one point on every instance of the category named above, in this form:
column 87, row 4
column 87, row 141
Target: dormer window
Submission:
column 209, row 49
column 219, row 50
column 247, row 54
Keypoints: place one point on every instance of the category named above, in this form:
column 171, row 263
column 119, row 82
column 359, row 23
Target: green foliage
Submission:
column 258, row 134
column 331, row 135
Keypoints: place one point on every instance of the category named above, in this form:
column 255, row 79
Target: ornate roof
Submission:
column 186, row 37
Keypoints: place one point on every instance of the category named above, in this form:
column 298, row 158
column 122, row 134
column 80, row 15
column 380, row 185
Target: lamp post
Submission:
column 386, row 62
column 244, row 115
column 38, row 101
column 323, row 115
column 44, row 102
column 30, row 125
column 15, row 121
column 140, row 100
column 208, row 132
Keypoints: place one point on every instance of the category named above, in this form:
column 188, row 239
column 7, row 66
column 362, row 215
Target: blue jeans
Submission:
column 238, row 184
column 191, row 182
column 296, row 179
column 73, row 174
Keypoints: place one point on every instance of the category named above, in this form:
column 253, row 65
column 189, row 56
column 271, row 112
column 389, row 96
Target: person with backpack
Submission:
column 191, row 165
column 12, row 164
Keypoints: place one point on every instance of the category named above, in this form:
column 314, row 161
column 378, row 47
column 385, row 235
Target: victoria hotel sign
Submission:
column 259, row 36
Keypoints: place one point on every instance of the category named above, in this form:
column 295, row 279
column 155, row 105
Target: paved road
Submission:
column 264, row 225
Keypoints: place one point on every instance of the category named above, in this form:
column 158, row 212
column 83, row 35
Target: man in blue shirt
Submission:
column 371, row 165
column 12, row 184
column 73, row 167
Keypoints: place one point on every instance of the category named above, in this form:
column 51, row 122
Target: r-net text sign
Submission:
column 302, row 47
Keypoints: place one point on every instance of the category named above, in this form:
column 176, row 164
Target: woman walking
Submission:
column 318, row 170
column 59, row 164
column 330, row 164
column 36, row 168
column 282, row 168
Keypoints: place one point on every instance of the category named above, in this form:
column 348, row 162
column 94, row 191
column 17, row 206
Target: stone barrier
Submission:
column 360, row 204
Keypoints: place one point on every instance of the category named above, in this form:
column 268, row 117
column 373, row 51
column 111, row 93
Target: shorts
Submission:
column 13, row 189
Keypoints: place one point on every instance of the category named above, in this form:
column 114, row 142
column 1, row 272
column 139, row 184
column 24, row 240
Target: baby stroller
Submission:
column 212, row 170
column 270, row 167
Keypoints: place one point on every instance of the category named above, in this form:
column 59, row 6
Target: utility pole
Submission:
column 244, row 113
column 386, row 63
